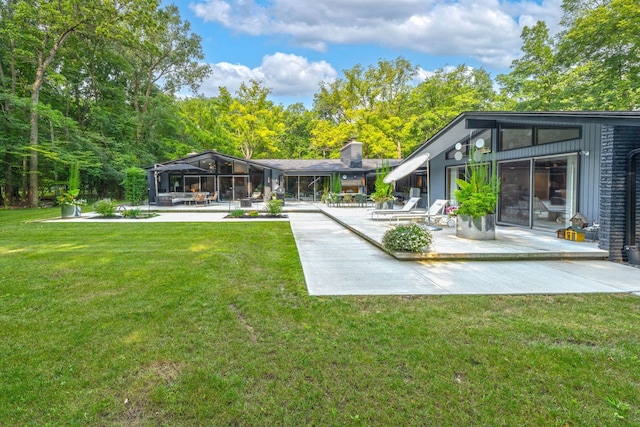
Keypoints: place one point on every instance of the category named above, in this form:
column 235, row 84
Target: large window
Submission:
column 515, row 137
column 547, row 135
column 512, row 137
column 453, row 173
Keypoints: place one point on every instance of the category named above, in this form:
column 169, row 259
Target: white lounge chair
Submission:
column 433, row 214
column 408, row 207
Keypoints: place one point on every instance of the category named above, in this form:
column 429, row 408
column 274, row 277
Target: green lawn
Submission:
column 141, row 323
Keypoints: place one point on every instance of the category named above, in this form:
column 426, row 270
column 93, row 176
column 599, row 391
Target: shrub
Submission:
column 105, row 207
column 273, row 207
column 254, row 214
column 236, row 213
column 407, row 238
column 135, row 185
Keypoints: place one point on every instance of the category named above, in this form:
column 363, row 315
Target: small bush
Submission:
column 273, row 207
column 131, row 213
column 105, row 207
column 254, row 214
column 236, row 213
column 407, row 238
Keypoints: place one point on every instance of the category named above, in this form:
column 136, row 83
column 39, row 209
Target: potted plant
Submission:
column 383, row 192
column 68, row 200
column 477, row 197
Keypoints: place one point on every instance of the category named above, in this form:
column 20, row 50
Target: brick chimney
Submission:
column 351, row 154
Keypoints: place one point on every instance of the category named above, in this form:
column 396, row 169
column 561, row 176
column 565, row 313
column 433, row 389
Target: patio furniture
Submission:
column 213, row 198
column 198, row 198
column 408, row 207
column 435, row 214
column 361, row 199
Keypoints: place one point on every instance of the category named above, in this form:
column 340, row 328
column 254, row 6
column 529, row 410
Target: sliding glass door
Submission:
column 515, row 192
column 538, row 192
column 555, row 189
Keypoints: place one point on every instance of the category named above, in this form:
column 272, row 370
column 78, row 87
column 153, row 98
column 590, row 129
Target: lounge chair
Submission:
column 198, row 198
column 434, row 214
column 408, row 207
column 213, row 198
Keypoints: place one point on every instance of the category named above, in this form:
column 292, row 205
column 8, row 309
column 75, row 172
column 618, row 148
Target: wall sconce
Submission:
column 584, row 153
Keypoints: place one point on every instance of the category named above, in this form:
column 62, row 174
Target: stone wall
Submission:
column 617, row 142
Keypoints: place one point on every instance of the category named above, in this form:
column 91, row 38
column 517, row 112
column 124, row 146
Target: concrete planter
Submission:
column 70, row 211
column 483, row 228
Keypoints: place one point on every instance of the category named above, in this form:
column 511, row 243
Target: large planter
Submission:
column 70, row 211
column 482, row 228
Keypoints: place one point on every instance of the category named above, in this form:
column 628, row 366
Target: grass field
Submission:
column 180, row 324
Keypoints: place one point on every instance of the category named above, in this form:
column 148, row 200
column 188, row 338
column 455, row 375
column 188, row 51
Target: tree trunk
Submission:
column 33, row 137
column 8, row 185
column 25, row 180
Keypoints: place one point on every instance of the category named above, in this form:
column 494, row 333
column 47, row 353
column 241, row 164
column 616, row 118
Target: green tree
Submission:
column 165, row 56
column 39, row 31
column 256, row 124
column 298, row 123
column 535, row 77
column 592, row 65
column 371, row 104
column 602, row 41
column 445, row 94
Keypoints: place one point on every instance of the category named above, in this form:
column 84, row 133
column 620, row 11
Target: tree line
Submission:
column 96, row 83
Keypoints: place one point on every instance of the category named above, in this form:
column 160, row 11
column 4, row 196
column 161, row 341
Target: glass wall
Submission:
column 305, row 188
column 538, row 192
column 555, row 188
column 225, row 188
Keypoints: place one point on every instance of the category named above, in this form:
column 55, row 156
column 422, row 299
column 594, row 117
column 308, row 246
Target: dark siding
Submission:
column 617, row 142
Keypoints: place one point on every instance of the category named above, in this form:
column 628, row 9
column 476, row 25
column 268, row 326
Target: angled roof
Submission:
column 290, row 166
column 306, row 166
column 466, row 122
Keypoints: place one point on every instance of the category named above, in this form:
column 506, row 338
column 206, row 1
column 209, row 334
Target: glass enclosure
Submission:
column 305, row 188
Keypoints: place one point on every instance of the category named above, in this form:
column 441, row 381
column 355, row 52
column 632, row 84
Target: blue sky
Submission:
column 293, row 45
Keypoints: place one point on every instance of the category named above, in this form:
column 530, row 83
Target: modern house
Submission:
column 551, row 165
column 236, row 179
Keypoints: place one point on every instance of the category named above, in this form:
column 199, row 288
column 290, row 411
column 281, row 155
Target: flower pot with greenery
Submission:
column 383, row 192
column 69, row 202
column 477, row 196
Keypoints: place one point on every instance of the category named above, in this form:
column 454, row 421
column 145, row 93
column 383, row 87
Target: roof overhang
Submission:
column 469, row 122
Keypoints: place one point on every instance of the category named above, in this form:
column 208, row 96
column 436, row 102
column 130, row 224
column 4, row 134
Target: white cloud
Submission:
column 487, row 30
column 285, row 74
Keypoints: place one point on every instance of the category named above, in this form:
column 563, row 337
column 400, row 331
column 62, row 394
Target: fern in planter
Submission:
column 477, row 195
column 383, row 192
column 407, row 238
